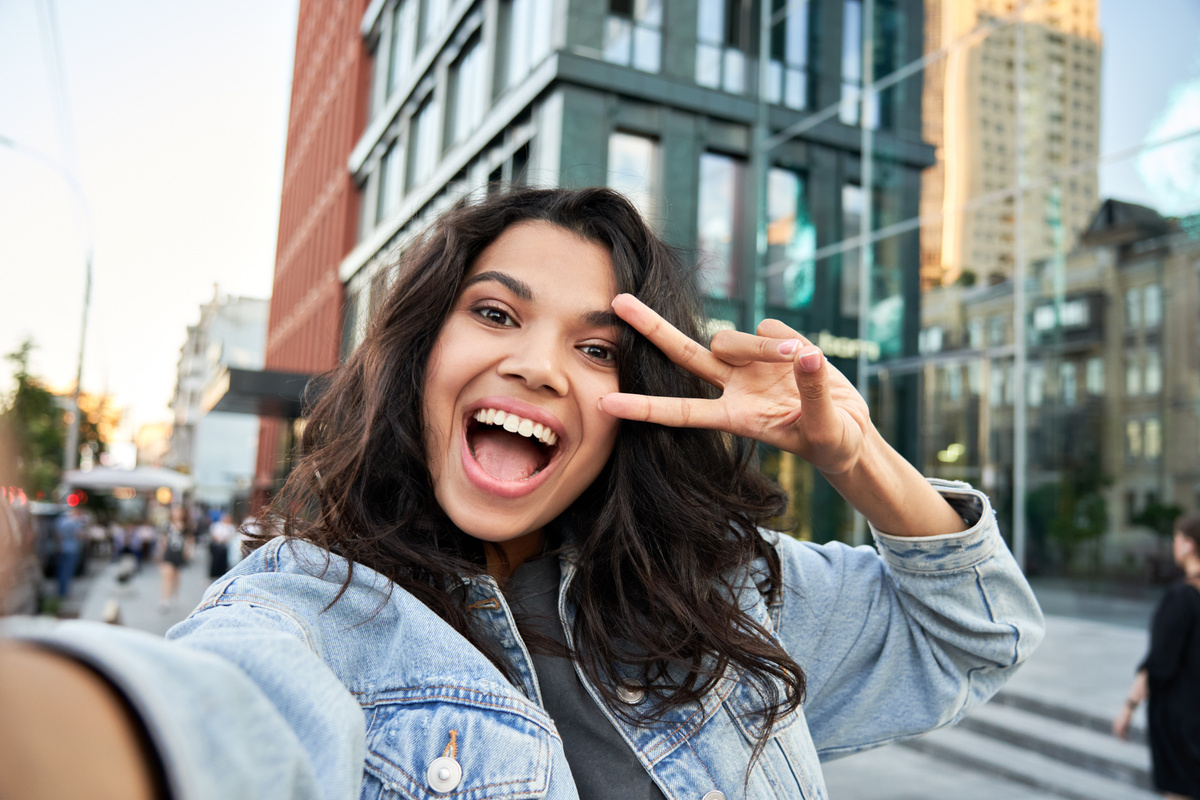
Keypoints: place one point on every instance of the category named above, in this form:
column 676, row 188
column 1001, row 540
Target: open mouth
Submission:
column 509, row 447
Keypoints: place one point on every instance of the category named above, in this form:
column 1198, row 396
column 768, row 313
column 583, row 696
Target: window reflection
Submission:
column 721, row 41
column 787, row 71
column 632, row 34
column 424, row 138
column 791, row 241
column 467, row 90
column 719, row 216
column 633, row 171
column 525, row 29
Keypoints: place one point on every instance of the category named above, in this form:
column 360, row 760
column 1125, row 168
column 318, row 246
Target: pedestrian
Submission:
column 220, row 535
column 1169, row 676
column 70, row 537
column 526, row 555
column 172, row 547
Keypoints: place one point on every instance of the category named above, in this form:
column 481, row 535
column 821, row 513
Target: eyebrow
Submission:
column 518, row 287
column 599, row 319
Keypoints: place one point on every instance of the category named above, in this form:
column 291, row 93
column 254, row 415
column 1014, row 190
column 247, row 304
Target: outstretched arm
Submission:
column 53, row 705
column 776, row 387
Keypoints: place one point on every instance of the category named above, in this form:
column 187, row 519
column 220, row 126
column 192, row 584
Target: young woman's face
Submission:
column 513, row 427
column 1182, row 547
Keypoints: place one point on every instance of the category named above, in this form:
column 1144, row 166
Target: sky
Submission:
column 179, row 118
column 179, row 114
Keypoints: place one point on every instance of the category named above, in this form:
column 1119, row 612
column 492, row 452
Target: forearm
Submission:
column 892, row 494
column 67, row 732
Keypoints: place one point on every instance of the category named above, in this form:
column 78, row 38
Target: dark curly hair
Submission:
column 666, row 533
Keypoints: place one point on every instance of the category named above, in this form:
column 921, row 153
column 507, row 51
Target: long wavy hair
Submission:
column 666, row 534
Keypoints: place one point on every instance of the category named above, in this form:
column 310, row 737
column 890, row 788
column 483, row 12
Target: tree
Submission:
column 34, row 420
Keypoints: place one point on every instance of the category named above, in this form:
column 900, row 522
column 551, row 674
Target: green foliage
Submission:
column 1072, row 511
column 1159, row 518
column 36, row 426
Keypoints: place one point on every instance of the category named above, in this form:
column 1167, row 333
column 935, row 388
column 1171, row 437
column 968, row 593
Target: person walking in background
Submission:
column 171, row 545
column 1169, row 676
column 220, row 535
column 69, row 533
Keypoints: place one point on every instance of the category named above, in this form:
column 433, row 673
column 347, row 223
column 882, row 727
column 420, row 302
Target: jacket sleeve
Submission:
column 241, row 707
column 905, row 639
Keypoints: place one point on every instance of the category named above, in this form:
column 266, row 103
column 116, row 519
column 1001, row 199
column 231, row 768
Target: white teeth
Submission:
column 514, row 424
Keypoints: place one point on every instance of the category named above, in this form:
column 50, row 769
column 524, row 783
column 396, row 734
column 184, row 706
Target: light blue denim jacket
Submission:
column 263, row 692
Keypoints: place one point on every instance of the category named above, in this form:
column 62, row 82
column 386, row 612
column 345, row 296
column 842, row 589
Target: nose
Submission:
column 537, row 361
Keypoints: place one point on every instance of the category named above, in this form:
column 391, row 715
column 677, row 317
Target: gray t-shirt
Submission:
column 601, row 762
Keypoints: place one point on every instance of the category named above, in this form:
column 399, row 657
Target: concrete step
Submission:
column 1100, row 753
column 1082, row 719
column 1028, row 767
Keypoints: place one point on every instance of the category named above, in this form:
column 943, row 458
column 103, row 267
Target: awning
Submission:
column 140, row 478
column 264, row 393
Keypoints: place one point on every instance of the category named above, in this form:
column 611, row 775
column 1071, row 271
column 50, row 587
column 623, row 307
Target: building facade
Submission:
column 1015, row 99
column 1113, row 431
column 318, row 211
column 217, row 449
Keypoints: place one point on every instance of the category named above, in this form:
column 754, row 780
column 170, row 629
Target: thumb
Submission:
column 818, row 415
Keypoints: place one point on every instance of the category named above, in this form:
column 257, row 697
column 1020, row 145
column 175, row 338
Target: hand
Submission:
column 1120, row 725
column 776, row 387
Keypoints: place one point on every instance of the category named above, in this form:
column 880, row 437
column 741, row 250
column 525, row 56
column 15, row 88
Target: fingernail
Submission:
column 811, row 362
column 788, row 347
column 600, row 402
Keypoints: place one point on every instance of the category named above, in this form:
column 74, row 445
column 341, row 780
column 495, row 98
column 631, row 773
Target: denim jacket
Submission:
column 268, row 690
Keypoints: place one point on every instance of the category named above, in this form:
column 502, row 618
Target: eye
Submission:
column 599, row 352
column 495, row 316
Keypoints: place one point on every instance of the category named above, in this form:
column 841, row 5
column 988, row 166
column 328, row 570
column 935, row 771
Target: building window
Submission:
column 1153, row 376
column 995, row 331
column 525, row 29
column 390, row 185
column 1133, row 439
column 975, row 334
column 791, row 241
column 633, row 34
column 1035, row 385
column 423, row 147
column 720, row 208
column 404, row 43
column 1095, row 375
column 1133, row 309
column 468, row 102
column 433, row 16
column 633, row 171
column 720, row 60
column 1152, row 439
column 1067, row 383
column 1152, row 297
column 853, row 207
column 996, row 385
column 850, row 108
column 1133, row 376
column 787, row 73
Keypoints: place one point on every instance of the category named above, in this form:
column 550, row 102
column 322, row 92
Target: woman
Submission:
column 531, row 403
column 172, row 556
column 1170, row 676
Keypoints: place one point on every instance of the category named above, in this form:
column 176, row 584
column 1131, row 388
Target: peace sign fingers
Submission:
column 688, row 354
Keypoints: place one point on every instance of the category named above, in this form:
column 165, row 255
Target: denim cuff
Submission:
column 950, row 551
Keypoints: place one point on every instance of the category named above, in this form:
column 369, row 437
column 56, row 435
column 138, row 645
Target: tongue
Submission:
column 505, row 456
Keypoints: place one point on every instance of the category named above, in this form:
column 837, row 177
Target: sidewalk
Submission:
column 138, row 597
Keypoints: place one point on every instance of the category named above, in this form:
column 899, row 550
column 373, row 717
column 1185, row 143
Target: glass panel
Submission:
column 708, row 65
column 467, row 84
column 719, row 203
column 633, row 171
column 647, row 47
column 425, row 152
column 618, row 39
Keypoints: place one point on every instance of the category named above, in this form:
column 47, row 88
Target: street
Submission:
column 1044, row 737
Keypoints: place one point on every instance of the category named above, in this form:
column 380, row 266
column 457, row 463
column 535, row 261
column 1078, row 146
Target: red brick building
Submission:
column 319, row 207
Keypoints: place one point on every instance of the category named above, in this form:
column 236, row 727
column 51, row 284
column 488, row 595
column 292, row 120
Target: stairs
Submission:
column 1056, row 750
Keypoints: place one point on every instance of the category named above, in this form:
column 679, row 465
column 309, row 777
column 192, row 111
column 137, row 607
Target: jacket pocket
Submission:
column 450, row 741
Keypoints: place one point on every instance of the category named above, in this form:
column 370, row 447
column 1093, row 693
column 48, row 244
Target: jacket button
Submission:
column 713, row 795
column 630, row 694
column 444, row 774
